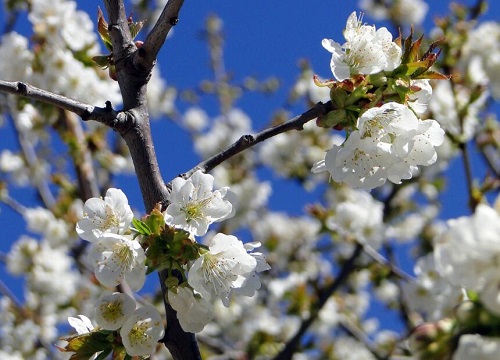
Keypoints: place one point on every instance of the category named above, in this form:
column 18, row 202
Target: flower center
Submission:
column 194, row 210
column 110, row 221
column 216, row 271
column 138, row 334
column 111, row 311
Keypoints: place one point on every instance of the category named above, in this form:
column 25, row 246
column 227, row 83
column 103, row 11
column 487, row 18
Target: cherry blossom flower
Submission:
column 194, row 206
column 142, row 331
column 366, row 51
column 109, row 215
column 193, row 311
column 216, row 272
column 112, row 310
column 116, row 258
column 475, row 346
column 359, row 217
column 390, row 143
column 468, row 252
column 247, row 284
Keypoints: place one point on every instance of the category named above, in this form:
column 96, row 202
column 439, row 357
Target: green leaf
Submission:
column 86, row 345
column 102, row 29
column 141, row 227
column 135, row 27
column 103, row 61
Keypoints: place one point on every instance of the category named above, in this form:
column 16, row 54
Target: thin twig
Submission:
column 359, row 335
column 294, row 342
column 247, row 141
column 375, row 255
column 148, row 52
column 32, row 160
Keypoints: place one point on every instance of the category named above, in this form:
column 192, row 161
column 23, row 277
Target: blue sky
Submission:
column 263, row 38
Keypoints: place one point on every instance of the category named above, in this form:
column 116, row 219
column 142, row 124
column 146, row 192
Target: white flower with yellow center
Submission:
column 194, row 206
column 390, row 143
column 366, row 51
column 109, row 215
column 219, row 270
column 113, row 309
column 142, row 331
column 117, row 258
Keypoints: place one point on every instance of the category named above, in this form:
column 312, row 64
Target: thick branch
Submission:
column 140, row 144
column 148, row 52
column 247, row 141
column 347, row 269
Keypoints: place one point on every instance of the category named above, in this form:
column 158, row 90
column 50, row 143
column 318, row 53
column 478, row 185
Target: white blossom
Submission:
column 48, row 264
column 430, row 292
column 160, row 97
column 117, row 258
column 420, row 98
column 456, row 110
column 141, row 331
column 109, row 215
column 193, row 311
column 195, row 119
column 359, row 217
column 112, row 310
column 247, row 284
column 16, row 46
column 407, row 12
column 482, row 52
column 366, row 51
column 467, row 254
column 194, row 206
column 59, row 20
column 477, row 347
column 82, row 324
column 216, row 272
column 224, row 131
column 390, row 143
column 20, row 257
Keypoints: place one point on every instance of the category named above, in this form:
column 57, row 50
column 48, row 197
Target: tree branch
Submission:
column 145, row 57
column 118, row 30
column 347, row 268
column 136, row 132
column 104, row 115
column 247, row 141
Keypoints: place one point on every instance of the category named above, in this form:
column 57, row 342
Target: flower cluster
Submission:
column 120, row 252
column 378, row 100
column 139, row 329
column 367, row 50
column 468, row 252
column 115, row 254
column 390, row 143
column 227, row 267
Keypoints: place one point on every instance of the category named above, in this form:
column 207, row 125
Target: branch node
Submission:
column 22, row 88
column 86, row 114
column 174, row 20
column 141, row 52
column 109, row 107
column 248, row 139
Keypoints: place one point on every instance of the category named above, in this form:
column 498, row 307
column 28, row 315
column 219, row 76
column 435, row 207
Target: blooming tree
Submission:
column 235, row 278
